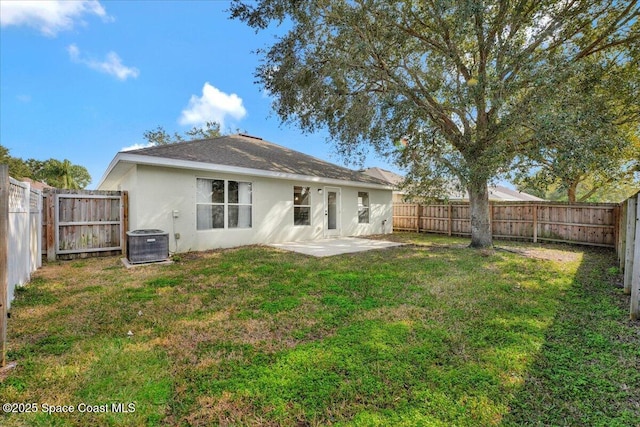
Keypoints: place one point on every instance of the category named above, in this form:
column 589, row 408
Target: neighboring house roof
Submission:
column 38, row 185
column 497, row 193
column 385, row 175
column 503, row 193
column 241, row 154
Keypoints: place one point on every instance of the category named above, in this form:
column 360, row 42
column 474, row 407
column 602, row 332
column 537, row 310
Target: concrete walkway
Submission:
column 335, row 246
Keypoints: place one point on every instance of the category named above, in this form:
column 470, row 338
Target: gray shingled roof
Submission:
column 389, row 177
column 251, row 152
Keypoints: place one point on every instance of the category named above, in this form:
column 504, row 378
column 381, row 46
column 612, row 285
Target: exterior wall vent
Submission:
column 147, row 246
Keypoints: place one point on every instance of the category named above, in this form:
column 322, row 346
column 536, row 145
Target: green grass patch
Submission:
column 139, row 294
column 36, row 294
column 161, row 282
column 432, row 333
column 127, row 372
column 53, row 344
column 280, row 304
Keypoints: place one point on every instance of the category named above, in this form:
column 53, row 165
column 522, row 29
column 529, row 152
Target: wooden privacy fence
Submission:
column 629, row 251
column 595, row 224
column 81, row 223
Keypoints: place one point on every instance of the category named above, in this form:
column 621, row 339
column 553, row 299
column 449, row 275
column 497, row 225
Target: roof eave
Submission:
column 124, row 157
column 110, row 168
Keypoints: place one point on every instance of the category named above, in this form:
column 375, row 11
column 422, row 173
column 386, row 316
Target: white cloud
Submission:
column 111, row 65
column 213, row 105
column 74, row 52
column 137, row 146
column 51, row 16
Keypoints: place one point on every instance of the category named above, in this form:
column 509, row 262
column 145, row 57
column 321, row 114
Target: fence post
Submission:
column 535, row 223
column 4, row 253
column 631, row 243
column 622, row 235
column 490, row 216
column 616, row 229
column 635, row 274
column 449, row 227
column 40, row 208
column 27, row 237
column 124, row 221
column 51, row 226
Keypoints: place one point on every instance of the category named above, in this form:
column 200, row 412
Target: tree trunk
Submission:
column 571, row 193
column 480, row 217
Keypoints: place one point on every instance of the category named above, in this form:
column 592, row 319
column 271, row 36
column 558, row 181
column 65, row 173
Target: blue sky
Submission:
column 81, row 80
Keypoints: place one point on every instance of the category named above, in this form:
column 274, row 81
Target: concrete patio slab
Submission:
column 335, row 246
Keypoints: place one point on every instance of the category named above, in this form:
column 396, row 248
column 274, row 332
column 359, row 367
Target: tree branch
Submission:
column 622, row 19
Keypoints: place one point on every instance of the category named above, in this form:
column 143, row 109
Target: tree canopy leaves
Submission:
column 159, row 136
column 584, row 133
column 53, row 172
column 17, row 167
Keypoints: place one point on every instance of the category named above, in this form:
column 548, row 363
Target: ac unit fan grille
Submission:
column 147, row 246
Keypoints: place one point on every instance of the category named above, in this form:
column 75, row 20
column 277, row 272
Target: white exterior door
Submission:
column 332, row 210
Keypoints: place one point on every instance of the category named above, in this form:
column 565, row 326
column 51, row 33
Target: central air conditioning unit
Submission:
column 147, row 246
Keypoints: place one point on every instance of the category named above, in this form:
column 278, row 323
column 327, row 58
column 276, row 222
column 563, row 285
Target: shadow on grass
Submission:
column 588, row 370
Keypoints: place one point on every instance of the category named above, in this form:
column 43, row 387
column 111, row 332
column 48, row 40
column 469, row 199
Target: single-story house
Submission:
column 498, row 193
column 238, row 190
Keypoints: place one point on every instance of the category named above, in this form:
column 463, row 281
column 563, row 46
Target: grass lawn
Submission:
column 429, row 334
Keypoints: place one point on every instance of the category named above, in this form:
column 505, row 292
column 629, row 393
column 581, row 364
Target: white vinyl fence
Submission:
column 25, row 235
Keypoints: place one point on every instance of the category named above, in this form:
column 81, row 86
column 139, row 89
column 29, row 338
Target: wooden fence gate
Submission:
column 82, row 223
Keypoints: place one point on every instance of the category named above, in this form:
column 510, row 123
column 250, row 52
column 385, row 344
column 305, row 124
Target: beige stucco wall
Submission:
column 156, row 192
column 128, row 183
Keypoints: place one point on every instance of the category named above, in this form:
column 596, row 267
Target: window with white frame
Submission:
column 363, row 207
column 223, row 204
column 301, row 205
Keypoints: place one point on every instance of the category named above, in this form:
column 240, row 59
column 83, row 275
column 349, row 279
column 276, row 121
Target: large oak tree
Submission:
column 454, row 77
column 584, row 134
